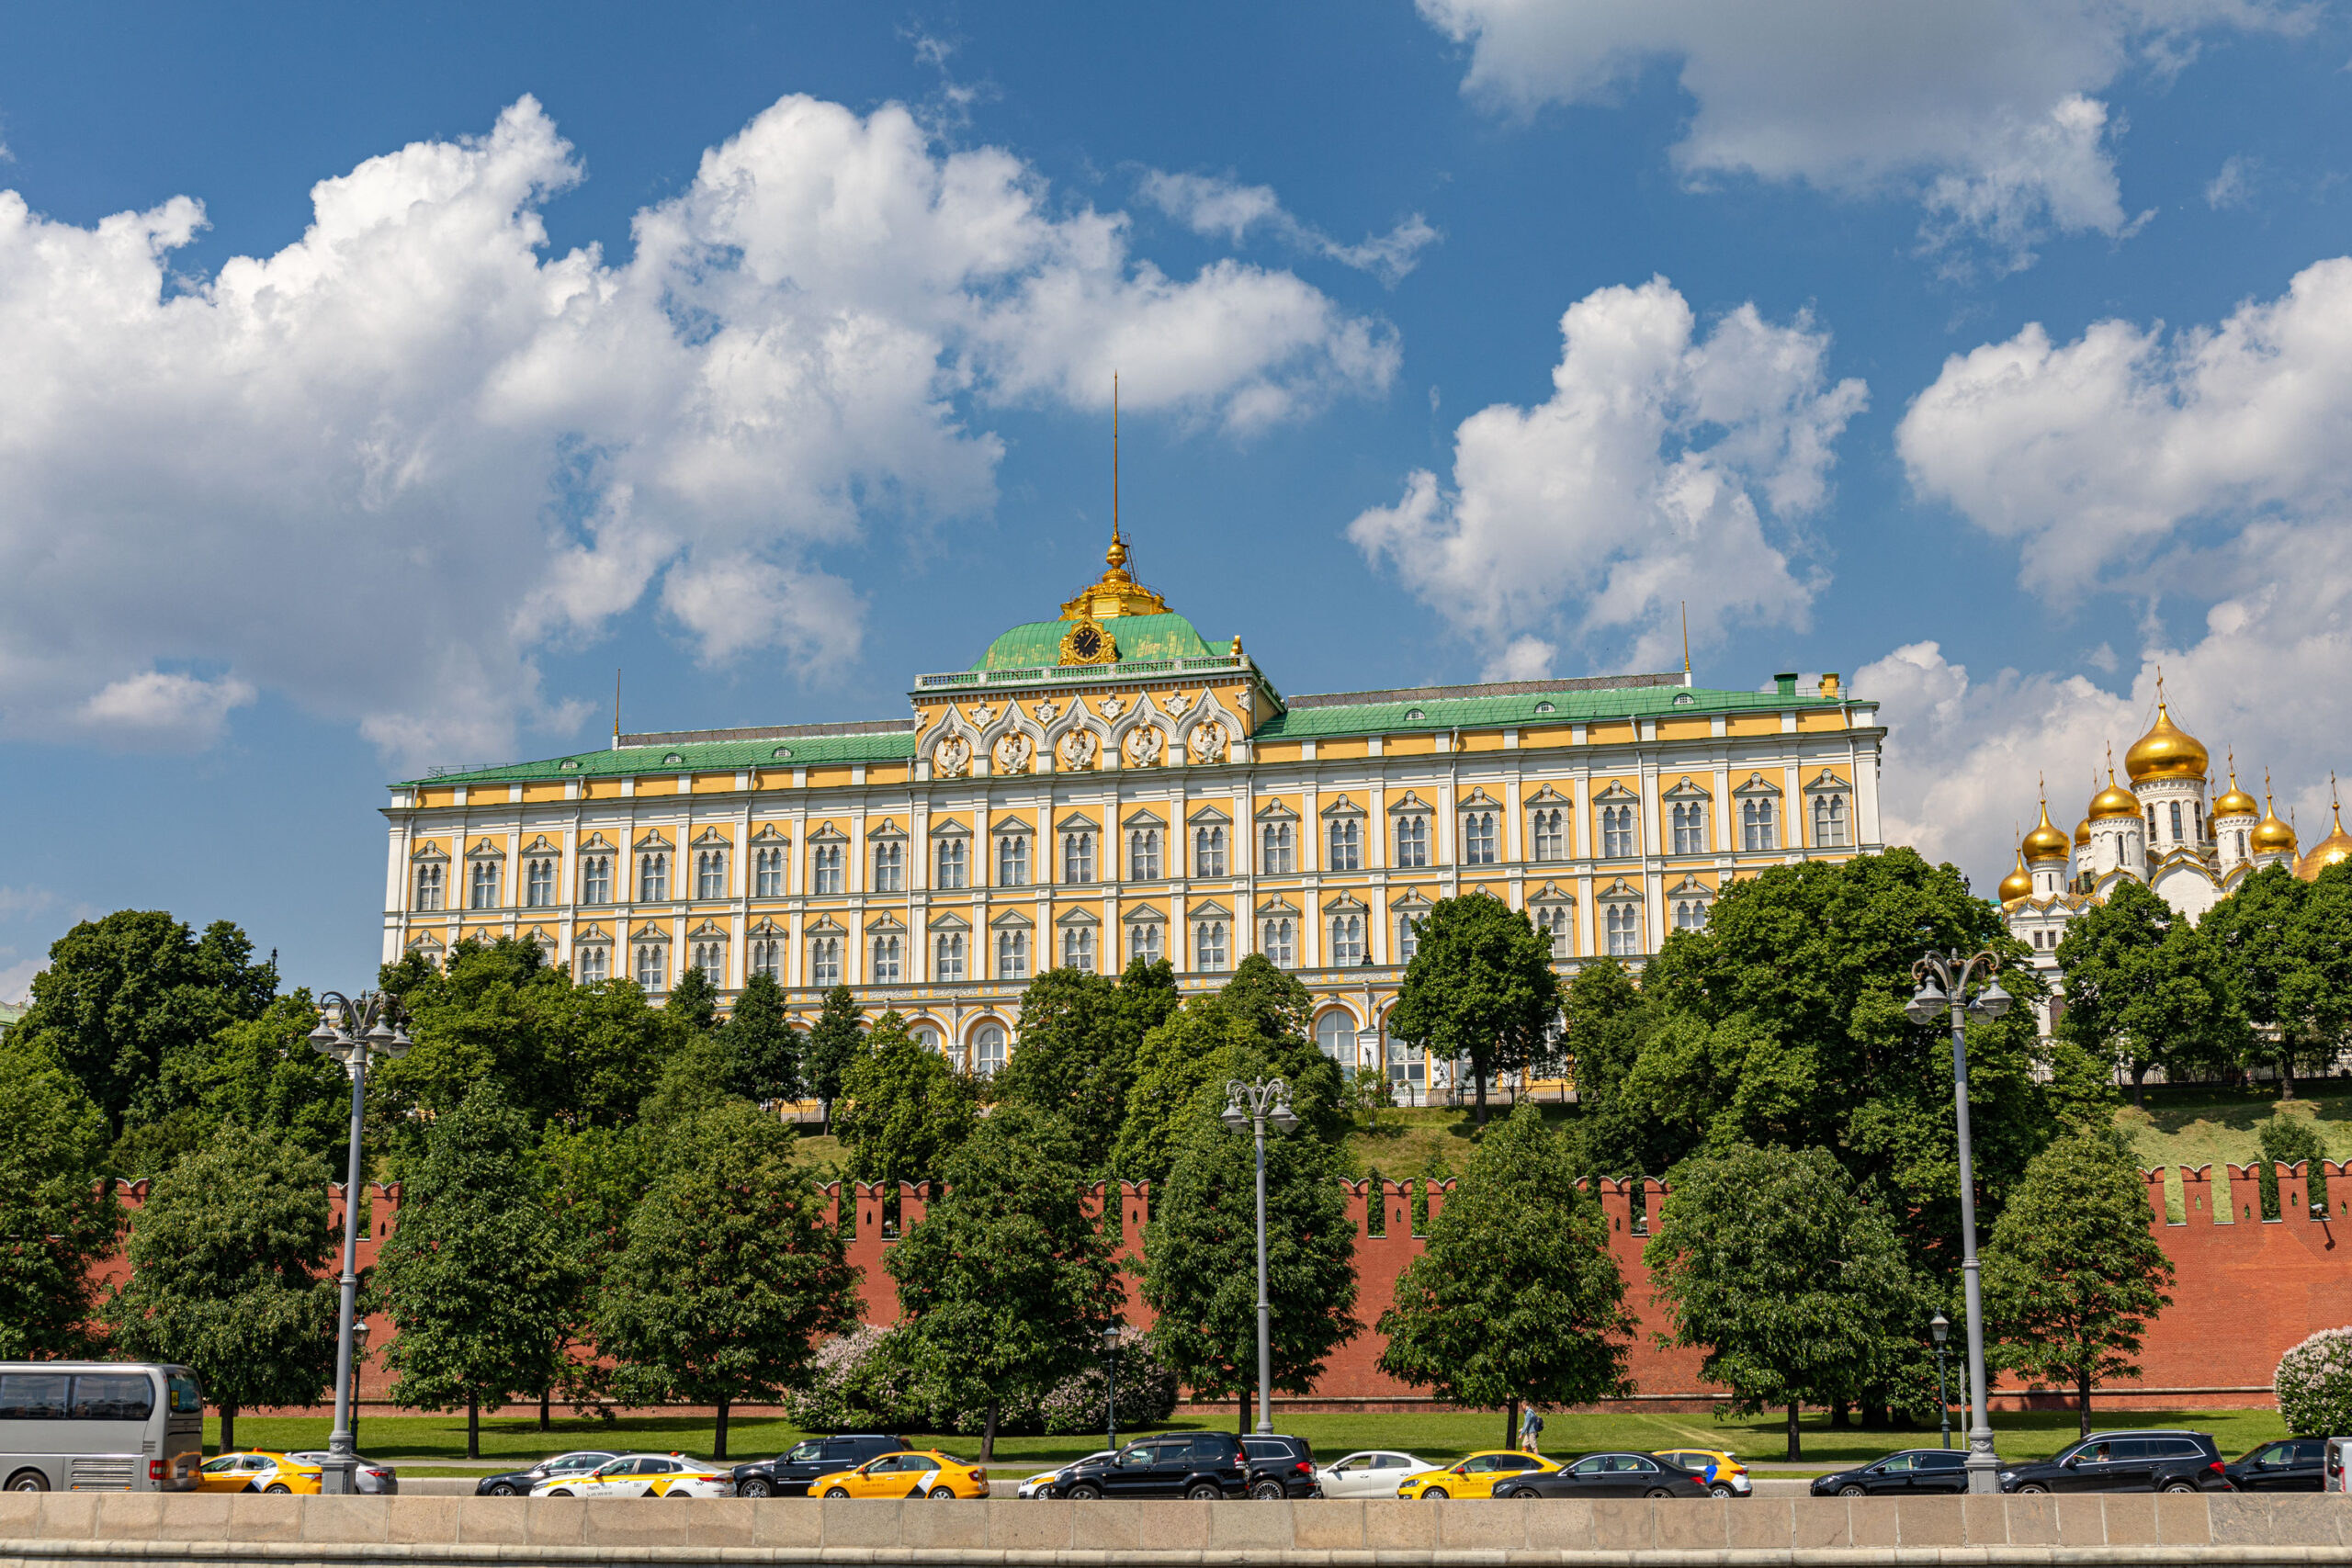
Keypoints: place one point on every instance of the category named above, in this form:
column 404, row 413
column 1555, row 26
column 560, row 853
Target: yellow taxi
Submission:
column 1475, row 1477
column 641, row 1475
column 258, row 1469
column 911, row 1473
column 1725, row 1476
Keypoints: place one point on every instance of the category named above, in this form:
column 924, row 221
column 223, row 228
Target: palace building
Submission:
column 1109, row 784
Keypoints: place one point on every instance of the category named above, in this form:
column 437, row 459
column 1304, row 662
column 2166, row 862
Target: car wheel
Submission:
column 1204, row 1489
column 278, row 1489
column 560, row 1492
column 1437, row 1491
column 2180, row 1486
column 1719, row 1491
column 503, row 1489
column 2034, row 1489
column 836, row 1491
column 1085, row 1491
column 755, row 1487
column 1266, row 1491
column 28, row 1481
column 943, row 1494
column 1850, row 1492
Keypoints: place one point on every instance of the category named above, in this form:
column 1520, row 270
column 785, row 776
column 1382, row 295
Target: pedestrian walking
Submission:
column 1530, row 1431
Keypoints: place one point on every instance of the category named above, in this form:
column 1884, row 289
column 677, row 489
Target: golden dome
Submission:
column 2335, row 847
column 2167, row 751
column 2235, row 802
column 2272, row 837
column 2045, row 842
column 2114, row 801
column 2083, row 834
column 2018, row 885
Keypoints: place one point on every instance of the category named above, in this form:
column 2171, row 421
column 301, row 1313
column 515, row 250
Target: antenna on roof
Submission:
column 616, row 707
column 1686, row 642
column 1115, row 456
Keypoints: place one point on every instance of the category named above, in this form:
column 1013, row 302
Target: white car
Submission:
column 372, row 1476
column 642, row 1475
column 1036, row 1485
column 1370, row 1472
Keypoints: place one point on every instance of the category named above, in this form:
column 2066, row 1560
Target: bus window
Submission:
column 187, row 1399
column 32, row 1396
column 112, row 1396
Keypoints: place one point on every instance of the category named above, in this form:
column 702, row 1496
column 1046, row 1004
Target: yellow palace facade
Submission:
column 1108, row 786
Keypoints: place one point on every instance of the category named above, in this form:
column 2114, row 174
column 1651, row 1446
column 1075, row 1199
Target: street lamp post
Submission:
column 1111, row 1377
column 1252, row 1105
column 359, row 1360
column 1940, row 1328
column 353, row 1032
column 1943, row 979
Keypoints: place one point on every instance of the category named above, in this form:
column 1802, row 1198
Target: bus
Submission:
column 101, row 1427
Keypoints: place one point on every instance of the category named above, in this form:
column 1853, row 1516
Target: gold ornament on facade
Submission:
column 1114, row 593
column 2167, row 751
column 1088, row 643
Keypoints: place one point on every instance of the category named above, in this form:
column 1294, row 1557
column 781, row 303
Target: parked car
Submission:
column 518, row 1483
column 1280, row 1466
column 642, row 1475
column 2127, row 1462
column 258, row 1469
column 1174, row 1464
column 1477, row 1476
column 1607, row 1475
column 2298, row 1464
column 1369, row 1473
column 789, row 1473
column 372, row 1476
column 1035, row 1487
column 1726, row 1477
column 1910, row 1474
column 918, row 1472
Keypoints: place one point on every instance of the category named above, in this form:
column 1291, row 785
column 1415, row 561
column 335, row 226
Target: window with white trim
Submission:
column 710, row 874
column 825, row 961
column 1279, row 942
column 1617, row 831
column 767, row 870
column 953, row 870
column 1408, row 938
column 710, row 957
column 1078, row 948
column 595, row 879
column 481, row 886
column 829, row 862
column 1551, row 919
column 988, row 1050
column 1144, row 940
column 1624, row 926
column 1209, row 945
column 1829, row 823
column 592, row 963
column 1689, row 821
column 1551, row 833
column 1335, row 1036
column 1347, row 845
column 767, row 958
column 1689, row 914
column 1208, row 852
column 1143, row 854
column 1277, row 843
column 652, row 965
column 429, row 885
column 652, row 877
column 947, row 951
column 886, row 962
column 1013, row 860
column 1078, row 857
column 1412, row 841
column 1479, row 841
column 1758, row 830
column 889, row 867
column 1012, row 955
column 1347, row 938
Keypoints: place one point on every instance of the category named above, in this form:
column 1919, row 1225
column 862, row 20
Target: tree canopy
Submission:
column 58, row 1217
column 1080, row 1036
column 902, row 1110
column 1479, row 988
column 2145, row 989
column 832, row 1045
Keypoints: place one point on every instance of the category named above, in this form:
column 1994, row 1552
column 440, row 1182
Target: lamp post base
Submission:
column 339, row 1475
column 1984, row 1465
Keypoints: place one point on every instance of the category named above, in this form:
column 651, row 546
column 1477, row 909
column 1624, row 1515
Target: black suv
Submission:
column 789, row 1473
column 2126, row 1461
column 1914, row 1473
column 1174, row 1464
column 2298, row 1464
column 1280, row 1467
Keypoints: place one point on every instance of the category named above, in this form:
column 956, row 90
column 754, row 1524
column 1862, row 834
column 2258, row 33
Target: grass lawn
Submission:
column 424, row 1445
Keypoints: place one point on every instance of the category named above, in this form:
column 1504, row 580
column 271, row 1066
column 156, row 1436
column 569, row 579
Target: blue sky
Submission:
column 1993, row 356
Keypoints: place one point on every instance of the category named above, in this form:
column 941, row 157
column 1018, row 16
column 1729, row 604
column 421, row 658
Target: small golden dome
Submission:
column 2045, row 842
column 2083, row 834
column 2272, row 837
column 2114, row 801
column 2335, row 847
column 2233, row 802
column 2167, row 751
column 2018, row 885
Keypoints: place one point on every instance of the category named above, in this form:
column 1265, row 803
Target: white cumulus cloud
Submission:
column 378, row 471
column 1229, row 210
column 1668, row 465
column 1985, row 110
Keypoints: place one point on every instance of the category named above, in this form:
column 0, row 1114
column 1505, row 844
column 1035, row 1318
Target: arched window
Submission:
column 1143, row 854
column 1757, row 828
column 1829, row 821
column 1688, row 820
column 1478, row 838
column 1280, row 943
column 890, row 867
column 1208, row 852
column 596, row 879
column 2241, row 850
column 1078, row 948
column 953, row 870
column 1551, row 919
column 885, row 961
column 1208, row 944
column 1690, row 915
column 767, row 867
column 652, row 965
column 1412, row 841
column 652, row 878
column 1346, row 939
column 1551, row 824
column 767, row 956
column 1335, row 1036
column 538, row 884
column 1013, row 860
column 1625, row 931
column 1408, row 938
column 429, row 884
column 988, row 1050
column 1142, row 942
column 1617, row 831
column 1078, row 857
column 1012, row 955
column 481, row 891
column 2175, row 822
column 710, row 874
column 710, row 957
column 1277, row 846
column 594, row 964
column 949, row 947
column 825, row 961
column 1346, row 837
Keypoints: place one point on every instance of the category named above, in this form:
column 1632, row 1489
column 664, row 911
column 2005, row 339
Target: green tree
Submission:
column 2284, row 1138
column 1277, row 1015
column 487, row 1015
column 692, row 1004
column 2071, row 1276
column 1187, row 1057
column 1081, row 1034
column 2143, row 989
column 264, row 1074
column 761, row 1050
column 1201, row 1261
column 1797, row 1289
column 228, row 1275
column 129, row 1005
column 1007, row 1285
column 473, row 1276
column 732, row 1273
column 1609, row 1021
column 2254, row 934
column 1515, row 1296
column 595, row 1178
column 1480, row 988
column 2318, row 993
column 58, row 1217
column 903, row 1110
column 834, row 1043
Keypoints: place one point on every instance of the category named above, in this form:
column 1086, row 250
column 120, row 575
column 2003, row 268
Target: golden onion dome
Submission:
column 2335, row 847
column 2167, row 751
column 2083, row 834
column 2018, row 884
column 2271, row 837
column 2114, row 801
column 2045, row 842
column 2233, row 802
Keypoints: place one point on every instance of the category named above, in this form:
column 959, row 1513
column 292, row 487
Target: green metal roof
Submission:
column 689, row 757
column 1039, row 643
column 1306, row 717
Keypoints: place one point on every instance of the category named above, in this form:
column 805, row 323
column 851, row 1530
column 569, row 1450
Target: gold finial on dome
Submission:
column 2335, row 848
column 2114, row 801
column 2271, row 837
column 1116, row 592
column 2233, row 802
column 2167, row 751
column 2045, row 842
column 2018, row 884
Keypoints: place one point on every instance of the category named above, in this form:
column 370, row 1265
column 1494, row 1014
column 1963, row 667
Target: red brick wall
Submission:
column 2246, row 1288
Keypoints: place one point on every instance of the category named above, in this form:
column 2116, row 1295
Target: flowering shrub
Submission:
column 2315, row 1384
column 861, row 1382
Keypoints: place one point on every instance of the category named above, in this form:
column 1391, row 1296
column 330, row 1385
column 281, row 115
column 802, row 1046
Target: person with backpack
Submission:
column 1531, row 1430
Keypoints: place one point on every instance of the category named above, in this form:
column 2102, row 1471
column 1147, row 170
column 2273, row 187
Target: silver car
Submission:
column 373, row 1475
column 1369, row 1473
column 1036, row 1484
